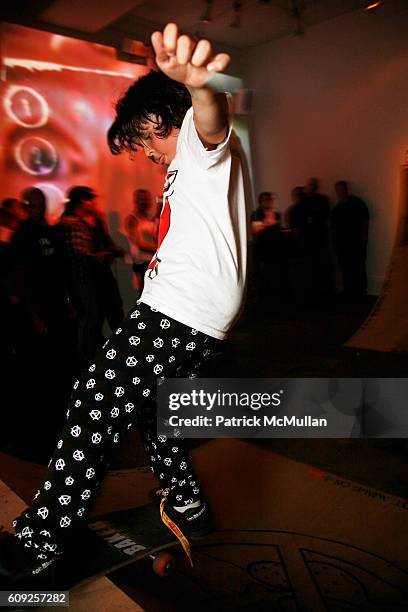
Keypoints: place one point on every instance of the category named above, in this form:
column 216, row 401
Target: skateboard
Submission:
column 115, row 540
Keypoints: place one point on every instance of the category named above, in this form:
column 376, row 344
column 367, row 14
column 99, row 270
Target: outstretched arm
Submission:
column 192, row 64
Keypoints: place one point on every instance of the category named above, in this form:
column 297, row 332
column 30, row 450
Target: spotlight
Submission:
column 373, row 5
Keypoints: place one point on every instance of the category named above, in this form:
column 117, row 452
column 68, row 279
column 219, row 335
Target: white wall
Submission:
column 334, row 104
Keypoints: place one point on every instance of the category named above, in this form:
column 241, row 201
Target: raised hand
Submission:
column 184, row 60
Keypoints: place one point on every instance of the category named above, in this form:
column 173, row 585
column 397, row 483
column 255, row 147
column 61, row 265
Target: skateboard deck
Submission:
column 114, row 540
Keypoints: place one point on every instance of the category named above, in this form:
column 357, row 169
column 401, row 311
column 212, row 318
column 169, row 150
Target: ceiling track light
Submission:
column 237, row 21
column 206, row 16
column 373, row 5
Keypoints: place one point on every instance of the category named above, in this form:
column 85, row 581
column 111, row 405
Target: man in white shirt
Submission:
column 193, row 293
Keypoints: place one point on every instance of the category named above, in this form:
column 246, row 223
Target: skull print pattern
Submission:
column 117, row 391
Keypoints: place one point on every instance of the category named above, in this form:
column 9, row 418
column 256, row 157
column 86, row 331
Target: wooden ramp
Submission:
column 101, row 594
column 386, row 329
column 290, row 538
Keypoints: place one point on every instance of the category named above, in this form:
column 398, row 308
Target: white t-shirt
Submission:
column 197, row 275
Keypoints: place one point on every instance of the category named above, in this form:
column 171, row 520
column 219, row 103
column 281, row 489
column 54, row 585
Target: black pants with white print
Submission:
column 117, row 391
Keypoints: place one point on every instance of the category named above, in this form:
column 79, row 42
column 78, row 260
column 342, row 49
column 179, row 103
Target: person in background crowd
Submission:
column 317, row 206
column 298, row 266
column 265, row 225
column 307, row 217
column 317, row 238
column 106, row 282
column 141, row 227
column 88, row 254
column 13, row 213
column 350, row 221
column 297, row 213
column 42, row 340
column 266, row 212
column 41, row 283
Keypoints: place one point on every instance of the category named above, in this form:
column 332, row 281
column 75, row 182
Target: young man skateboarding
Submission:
column 192, row 295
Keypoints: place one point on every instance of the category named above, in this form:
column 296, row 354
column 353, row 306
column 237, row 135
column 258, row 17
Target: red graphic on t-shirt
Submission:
column 164, row 221
column 163, row 229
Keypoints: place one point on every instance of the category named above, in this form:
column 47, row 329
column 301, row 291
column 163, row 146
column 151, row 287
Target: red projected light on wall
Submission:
column 58, row 95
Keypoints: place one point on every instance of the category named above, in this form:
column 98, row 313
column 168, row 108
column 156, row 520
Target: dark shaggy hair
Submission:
column 152, row 94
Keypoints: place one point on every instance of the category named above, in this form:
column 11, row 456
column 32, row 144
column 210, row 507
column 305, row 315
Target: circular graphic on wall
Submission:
column 36, row 156
column 26, row 106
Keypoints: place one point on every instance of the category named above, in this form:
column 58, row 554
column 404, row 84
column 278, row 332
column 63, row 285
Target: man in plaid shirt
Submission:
column 88, row 254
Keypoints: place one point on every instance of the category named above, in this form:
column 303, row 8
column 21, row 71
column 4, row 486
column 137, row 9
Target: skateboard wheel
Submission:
column 163, row 564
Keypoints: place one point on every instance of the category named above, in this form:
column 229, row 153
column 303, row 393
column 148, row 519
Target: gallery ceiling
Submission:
column 236, row 24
